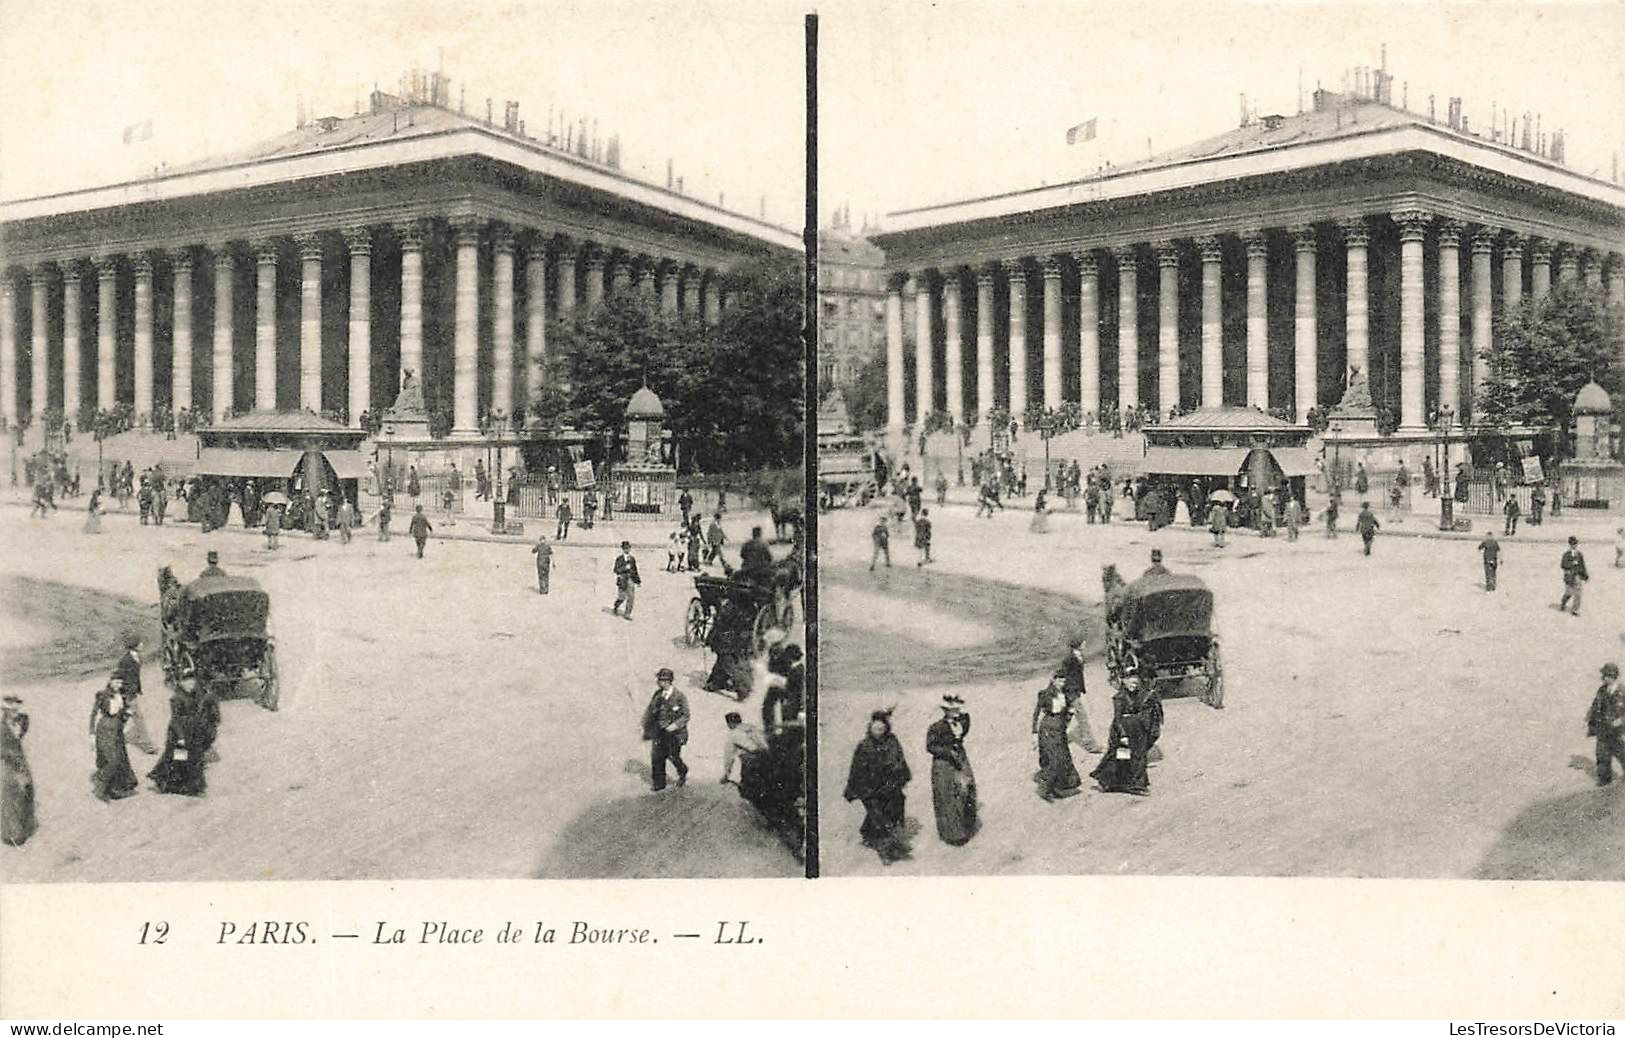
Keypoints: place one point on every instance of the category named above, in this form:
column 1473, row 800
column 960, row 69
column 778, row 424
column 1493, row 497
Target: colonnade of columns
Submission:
column 675, row 286
column 1051, row 274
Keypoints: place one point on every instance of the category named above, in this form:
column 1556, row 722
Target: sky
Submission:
column 718, row 86
column 929, row 102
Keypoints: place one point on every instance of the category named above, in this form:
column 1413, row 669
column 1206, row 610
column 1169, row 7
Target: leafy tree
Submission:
column 1551, row 347
column 733, row 393
column 866, row 396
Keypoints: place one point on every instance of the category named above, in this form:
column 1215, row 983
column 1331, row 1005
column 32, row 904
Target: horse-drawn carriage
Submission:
column 738, row 606
column 1159, row 631
column 215, row 627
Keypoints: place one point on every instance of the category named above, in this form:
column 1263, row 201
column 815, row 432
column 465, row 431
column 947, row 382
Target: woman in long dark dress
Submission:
column 193, row 720
column 1057, row 776
column 953, row 783
column 877, row 778
column 17, row 820
column 114, row 779
column 1136, row 723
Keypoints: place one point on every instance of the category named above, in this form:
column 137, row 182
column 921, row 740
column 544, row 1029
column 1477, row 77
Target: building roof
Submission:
column 644, row 404
column 1593, row 399
column 840, row 247
column 1344, row 128
column 280, row 421
column 1229, row 419
column 393, row 135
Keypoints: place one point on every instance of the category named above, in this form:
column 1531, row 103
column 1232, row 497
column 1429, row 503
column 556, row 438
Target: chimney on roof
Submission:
column 1432, row 111
column 679, row 185
column 299, row 116
column 488, row 111
column 668, row 175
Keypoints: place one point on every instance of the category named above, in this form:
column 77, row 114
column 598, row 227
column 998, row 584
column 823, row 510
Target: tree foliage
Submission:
column 1551, row 347
column 732, row 393
column 866, row 396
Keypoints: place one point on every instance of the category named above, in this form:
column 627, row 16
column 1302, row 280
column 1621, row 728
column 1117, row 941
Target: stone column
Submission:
column 1167, row 326
column 8, row 349
column 621, row 274
column 1568, row 270
column 1511, row 272
column 668, row 288
column 1212, row 248
column 646, row 278
column 39, row 395
column 530, row 368
column 1128, row 327
column 595, row 277
column 1357, row 312
column 310, row 322
column 265, row 326
column 1016, row 273
column 985, row 399
column 1052, row 331
column 1258, row 344
column 1305, row 327
column 106, row 332
column 924, row 377
column 1088, row 333
column 896, row 417
column 1591, row 269
column 502, row 325
column 222, row 346
column 1540, row 268
column 566, row 264
column 465, row 386
column 72, row 297
column 180, row 366
column 411, row 302
column 1616, row 278
column 359, row 241
column 1412, row 367
column 713, row 300
column 143, row 338
column 1450, row 316
column 953, row 346
column 1483, row 308
column 691, row 292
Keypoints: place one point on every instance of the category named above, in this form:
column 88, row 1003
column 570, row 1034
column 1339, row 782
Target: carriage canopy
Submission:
column 216, row 608
column 1168, row 606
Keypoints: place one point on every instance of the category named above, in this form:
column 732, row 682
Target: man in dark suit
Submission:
column 129, row 669
column 665, row 728
column 626, row 580
column 1074, row 689
column 213, row 568
column 1156, row 569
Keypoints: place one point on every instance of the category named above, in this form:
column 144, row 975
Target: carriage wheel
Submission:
column 695, row 625
column 1215, row 680
column 270, row 694
column 759, row 627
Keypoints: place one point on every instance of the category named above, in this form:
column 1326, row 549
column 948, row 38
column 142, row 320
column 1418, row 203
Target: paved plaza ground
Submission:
column 1383, row 716
column 439, row 718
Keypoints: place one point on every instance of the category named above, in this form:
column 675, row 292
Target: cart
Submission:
column 215, row 627
column 1159, row 631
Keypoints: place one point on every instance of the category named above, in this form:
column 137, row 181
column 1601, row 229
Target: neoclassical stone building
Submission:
column 310, row 271
column 1258, row 267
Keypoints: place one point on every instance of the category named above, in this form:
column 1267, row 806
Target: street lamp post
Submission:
column 1447, row 503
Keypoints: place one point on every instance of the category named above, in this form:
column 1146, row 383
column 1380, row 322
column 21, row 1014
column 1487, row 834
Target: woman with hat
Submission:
column 1057, row 775
column 877, row 778
column 1136, row 724
column 193, row 721
column 114, row 779
column 17, row 821
column 953, row 783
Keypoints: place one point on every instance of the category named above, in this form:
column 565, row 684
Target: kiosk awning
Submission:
column 226, row 461
column 1194, row 461
column 1294, row 461
column 347, row 464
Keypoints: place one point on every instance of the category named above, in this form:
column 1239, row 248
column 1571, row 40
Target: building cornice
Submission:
column 460, row 142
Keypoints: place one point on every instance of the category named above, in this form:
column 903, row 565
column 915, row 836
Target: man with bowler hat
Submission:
column 665, row 728
column 626, row 580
